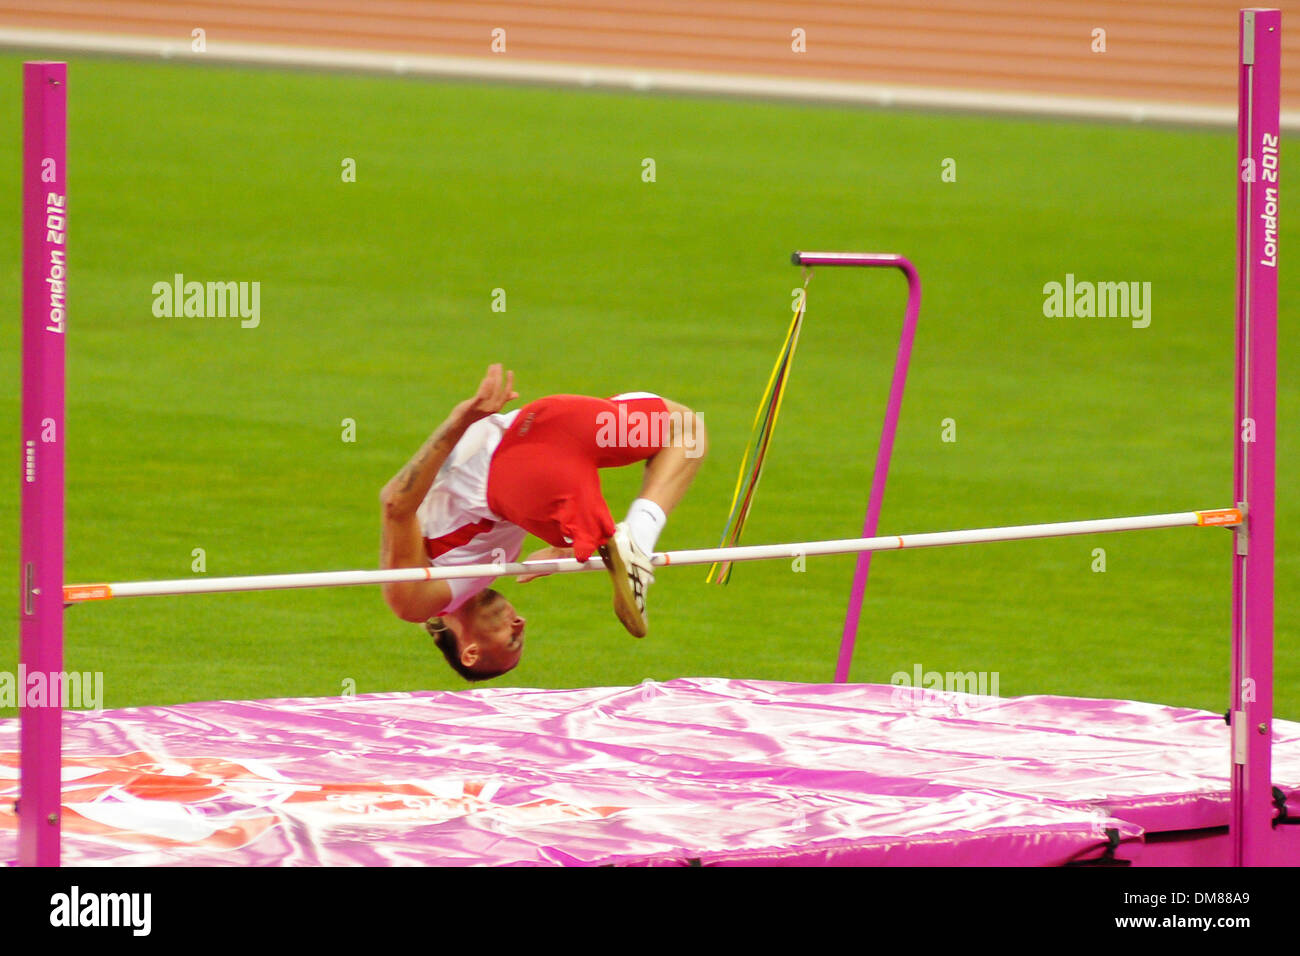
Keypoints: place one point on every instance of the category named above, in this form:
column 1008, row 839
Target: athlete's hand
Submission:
column 546, row 554
column 493, row 393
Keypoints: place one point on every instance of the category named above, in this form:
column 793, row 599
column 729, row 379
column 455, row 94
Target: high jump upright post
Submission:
column 45, row 266
column 1255, row 459
column 885, row 450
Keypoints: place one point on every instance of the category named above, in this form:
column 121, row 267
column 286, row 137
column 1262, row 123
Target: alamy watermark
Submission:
column 636, row 428
column 72, row 690
column 77, row 908
column 1124, row 300
column 962, row 689
column 208, row 300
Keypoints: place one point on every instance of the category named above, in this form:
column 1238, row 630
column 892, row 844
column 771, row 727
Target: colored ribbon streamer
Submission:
column 760, row 436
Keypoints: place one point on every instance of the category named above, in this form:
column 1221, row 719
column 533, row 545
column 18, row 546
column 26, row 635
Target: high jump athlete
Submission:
column 485, row 479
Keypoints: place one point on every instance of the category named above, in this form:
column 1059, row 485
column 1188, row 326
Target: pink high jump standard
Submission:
column 618, row 775
column 45, row 197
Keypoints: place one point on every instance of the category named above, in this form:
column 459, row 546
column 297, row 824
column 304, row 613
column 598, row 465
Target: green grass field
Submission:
column 376, row 306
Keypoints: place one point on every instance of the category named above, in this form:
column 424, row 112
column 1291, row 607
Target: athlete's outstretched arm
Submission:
column 401, row 541
column 546, row 554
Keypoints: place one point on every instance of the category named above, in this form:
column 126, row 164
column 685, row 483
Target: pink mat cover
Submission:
column 694, row 770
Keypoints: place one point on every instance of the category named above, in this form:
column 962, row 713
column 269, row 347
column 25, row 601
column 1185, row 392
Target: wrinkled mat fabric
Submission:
column 706, row 771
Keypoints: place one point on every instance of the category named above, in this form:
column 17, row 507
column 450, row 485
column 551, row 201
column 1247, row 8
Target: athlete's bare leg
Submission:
column 670, row 471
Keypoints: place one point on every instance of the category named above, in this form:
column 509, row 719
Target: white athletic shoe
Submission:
column 633, row 574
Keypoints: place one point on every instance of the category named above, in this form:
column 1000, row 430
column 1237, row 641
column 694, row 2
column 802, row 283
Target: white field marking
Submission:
column 587, row 76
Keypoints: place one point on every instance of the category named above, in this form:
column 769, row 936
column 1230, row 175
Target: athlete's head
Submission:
column 482, row 639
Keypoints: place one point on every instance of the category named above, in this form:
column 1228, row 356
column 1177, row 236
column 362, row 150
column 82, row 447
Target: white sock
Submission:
column 644, row 521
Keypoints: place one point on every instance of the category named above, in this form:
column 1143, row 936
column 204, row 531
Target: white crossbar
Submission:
column 1222, row 517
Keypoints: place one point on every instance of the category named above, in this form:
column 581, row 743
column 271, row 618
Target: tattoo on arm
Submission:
column 437, row 444
column 407, row 474
column 415, row 479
